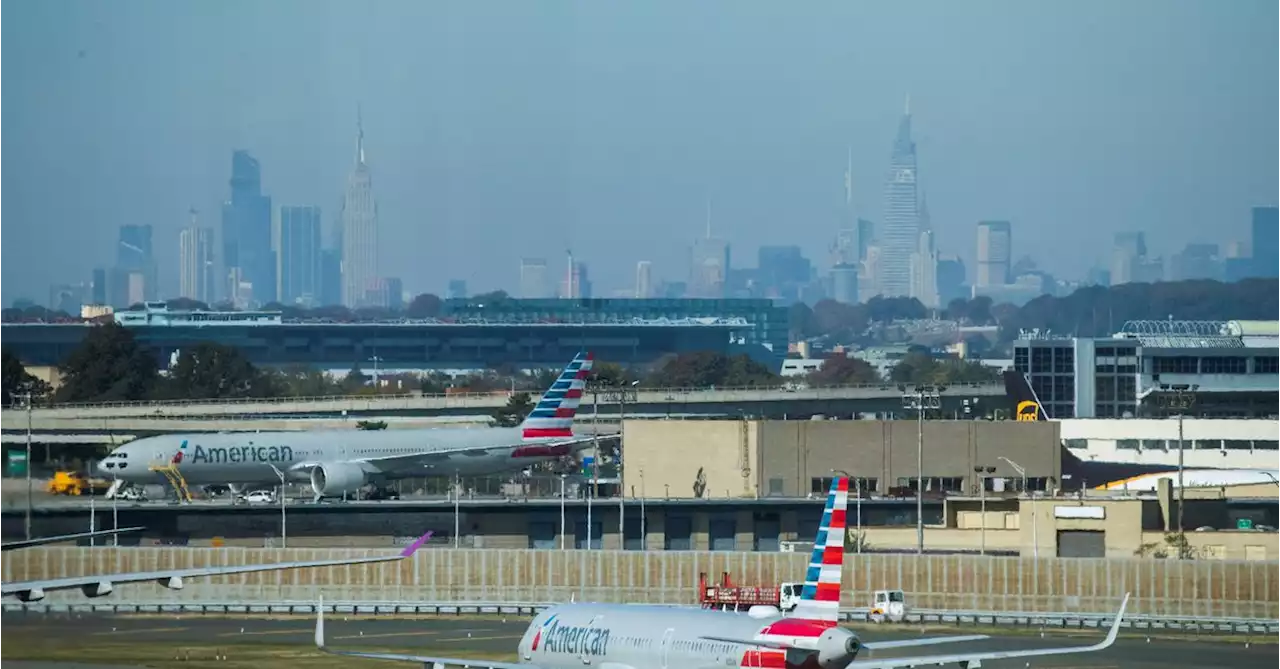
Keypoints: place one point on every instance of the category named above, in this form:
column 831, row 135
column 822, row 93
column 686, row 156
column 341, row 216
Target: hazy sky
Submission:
column 502, row 129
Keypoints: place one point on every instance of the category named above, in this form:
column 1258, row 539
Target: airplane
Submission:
column 104, row 584
column 28, row 543
column 628, row 636
column 339, row 462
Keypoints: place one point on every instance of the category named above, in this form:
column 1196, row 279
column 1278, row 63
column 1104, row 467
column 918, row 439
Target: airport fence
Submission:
column 1183, row 589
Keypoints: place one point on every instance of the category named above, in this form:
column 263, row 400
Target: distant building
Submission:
column 1196, row 261
column 577, row 284
column 134, row 255
column 300, row 255
column 709, row 267
column 99, row 292
column 995, row 252
column 644, row 280
column 1265, row 241
column 359, row 230
column 868, row 284
column 195, row 263
column 782, row 271
column 844, row 283
column 395, row 293
column 68, row 298
column 952, row 283
column 866, row 237
column 330, row 277
column 924, row 271
column 900, row 231
column 457, row 289
column 246, row 234
column 534, row 282
column 1130, row 263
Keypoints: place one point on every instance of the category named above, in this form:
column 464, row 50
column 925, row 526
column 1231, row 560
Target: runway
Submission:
column 187, row 640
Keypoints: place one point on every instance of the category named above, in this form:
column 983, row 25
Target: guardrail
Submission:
column 609, row 392
column 1234, row 626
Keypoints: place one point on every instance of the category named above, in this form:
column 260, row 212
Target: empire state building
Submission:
column 359, row 222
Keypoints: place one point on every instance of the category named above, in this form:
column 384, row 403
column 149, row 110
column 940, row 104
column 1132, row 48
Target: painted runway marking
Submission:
column 484, row 638
column 387, row 634
column 306, row 630
column 152, row 630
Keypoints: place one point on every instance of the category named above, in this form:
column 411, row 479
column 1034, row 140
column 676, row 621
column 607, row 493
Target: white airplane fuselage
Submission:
column 249, row 457
column 661, row 637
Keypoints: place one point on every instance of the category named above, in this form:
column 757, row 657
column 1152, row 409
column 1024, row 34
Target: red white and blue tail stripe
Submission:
column 820, row 598
column 553, row 416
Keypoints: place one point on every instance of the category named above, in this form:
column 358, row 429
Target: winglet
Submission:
column 320, row 623
column 1115, row 624
column 413, row 547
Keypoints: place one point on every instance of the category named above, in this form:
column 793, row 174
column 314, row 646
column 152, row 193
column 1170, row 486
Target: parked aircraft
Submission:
column 625, row 636
column 338, row 462
column 104, row 584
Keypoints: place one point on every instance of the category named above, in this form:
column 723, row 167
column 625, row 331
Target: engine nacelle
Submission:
column 837, row 647
column 99, row 589
column 32, row 595
column 171, row 582
column 334, row 479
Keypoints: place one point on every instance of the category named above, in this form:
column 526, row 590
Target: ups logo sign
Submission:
column 1028, row 411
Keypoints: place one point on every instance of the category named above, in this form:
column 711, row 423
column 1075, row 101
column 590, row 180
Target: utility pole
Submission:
column 921, row 398
column 26, row 397
column 1181, row 397
column 983, row 472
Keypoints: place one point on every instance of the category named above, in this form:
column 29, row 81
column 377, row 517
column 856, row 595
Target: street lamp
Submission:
column 284, row 536
column 983, row 472
column 562, row 528
column 1035, row 536
column 1179, row 396
column 858, row 503
column 921, row 398
column 26, row 397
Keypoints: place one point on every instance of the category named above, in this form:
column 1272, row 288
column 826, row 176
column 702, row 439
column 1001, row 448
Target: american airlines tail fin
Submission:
column 1024, row 397
column 820, row 598
column 553, row 415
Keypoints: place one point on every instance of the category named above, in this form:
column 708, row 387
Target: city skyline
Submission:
column 1070, row 160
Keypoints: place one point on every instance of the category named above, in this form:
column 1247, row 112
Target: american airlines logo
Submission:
column 223, row 454
column 571, row 639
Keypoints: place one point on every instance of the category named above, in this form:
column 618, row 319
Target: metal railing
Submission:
column 959, row 618
column 671, row 392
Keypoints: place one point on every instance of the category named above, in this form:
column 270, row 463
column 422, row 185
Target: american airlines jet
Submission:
column 338, row 462
column 625, row 636
column 101, row 585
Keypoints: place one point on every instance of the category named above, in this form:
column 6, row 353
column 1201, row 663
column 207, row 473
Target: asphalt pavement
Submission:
column 465, row 635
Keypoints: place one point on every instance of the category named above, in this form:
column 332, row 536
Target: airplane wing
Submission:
column 424, row 660
column 103, row 584
column 28, row 543
column 428, row 458
column 867, row 645
column 976, row 659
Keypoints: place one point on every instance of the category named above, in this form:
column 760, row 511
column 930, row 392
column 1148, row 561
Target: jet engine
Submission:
column 334, row 479
column 837, row 647
column 32, row 595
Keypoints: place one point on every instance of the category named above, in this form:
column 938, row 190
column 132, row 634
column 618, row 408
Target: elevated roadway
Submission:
column 758, row 402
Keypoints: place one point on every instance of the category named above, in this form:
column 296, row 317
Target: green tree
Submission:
column 355, row 380
column 518, row 407
column 425, row 305
column 214, row 371
column 490, row 297
column 306, row 382
column 108, row 366
column 17, row 381
column 705, row 369
column 840, row 370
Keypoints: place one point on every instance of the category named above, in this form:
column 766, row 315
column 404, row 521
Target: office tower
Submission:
column 866, row 237
column 868, row 285
column 533, row 279
column 576, row 284
column 844, row 283
column 99, row 290
column 457, row 289
column 846, row 250
column 359, row 230
column 644, row 280
column 900, row 232
column 995, row 248
column 67, row 298
column 952, row 284
column 1127, row 255
column 195, row 262
column 1265, row 241
column 709, row 264
column 1196, row 261
column 395, row 293
column 300, row 256
column 134, row 255
column 330, row 277
column 246, row 235
column 924, row 271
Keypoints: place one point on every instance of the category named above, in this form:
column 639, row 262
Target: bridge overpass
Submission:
column 153, row 417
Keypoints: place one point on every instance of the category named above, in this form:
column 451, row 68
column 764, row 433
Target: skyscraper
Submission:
column 300, row 256
column 195, row 262
column 576, row 284
column 995, row 250
column 924, row 271
column 900, row 232
column 709, row 264
column 246, row 234
column 134, row 257
column 457, row 289
column 359, row 230
column 533, row 278
column 1129, row 263
column 844, row 283
column 644, row 280
column 1265, row 229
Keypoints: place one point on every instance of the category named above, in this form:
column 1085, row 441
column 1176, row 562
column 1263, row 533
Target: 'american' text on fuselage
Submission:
column 221, row 454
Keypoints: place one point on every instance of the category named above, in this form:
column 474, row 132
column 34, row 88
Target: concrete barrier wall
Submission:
column 1214, row 588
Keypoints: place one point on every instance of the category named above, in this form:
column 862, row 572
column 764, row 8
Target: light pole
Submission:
column 920, row 399
column 457, row 510
column 375, row 360
column 1179, row 396
column 562, row 528
column 1035, row 536
column 26, row 397
column 982, row 473
column 858, row 503
column 284, row 534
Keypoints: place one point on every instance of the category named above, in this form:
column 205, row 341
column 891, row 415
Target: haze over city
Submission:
column 497, row 131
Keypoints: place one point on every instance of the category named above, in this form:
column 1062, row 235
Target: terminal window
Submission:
column 1266, row 365
column 1222, row 365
